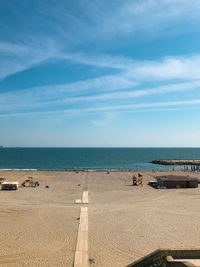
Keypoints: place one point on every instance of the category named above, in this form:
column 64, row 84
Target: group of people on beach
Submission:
column 192, row 168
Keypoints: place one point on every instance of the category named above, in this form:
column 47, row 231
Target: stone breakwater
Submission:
column 176, row 162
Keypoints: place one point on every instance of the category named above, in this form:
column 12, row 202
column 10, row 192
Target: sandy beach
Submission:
column 39, row 226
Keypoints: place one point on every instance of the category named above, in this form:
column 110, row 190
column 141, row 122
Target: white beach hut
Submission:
column 9, row 185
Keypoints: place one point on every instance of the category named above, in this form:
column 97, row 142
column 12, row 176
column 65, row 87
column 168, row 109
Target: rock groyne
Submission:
column 176, row 162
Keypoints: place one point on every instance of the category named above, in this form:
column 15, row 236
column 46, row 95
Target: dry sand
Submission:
column 39, row 226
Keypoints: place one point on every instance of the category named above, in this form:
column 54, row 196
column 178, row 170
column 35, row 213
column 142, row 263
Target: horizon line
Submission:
column 98, row 147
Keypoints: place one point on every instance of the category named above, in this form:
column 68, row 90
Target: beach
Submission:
column 39, row 226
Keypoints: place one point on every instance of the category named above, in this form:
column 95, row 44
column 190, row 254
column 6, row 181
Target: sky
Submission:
column 107, row 73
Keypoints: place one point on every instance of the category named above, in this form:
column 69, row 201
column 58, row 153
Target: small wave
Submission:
column 19, row 170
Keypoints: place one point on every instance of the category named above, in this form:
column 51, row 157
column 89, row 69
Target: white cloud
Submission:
column 185, row 67
column 106, row 19
column 96, row 20
column 57, row 93
column 146, row 105
column 130, row 107
column 100, row 60
column 148, row 14
column 91, row 90
column 17, row 57
column 179, row 87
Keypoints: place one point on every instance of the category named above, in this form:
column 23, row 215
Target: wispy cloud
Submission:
column 51, row 96
column 99, row 19
column 185, row 67
column 146, row 105
column 69, row 90
column 96, row 20
column 130, row 107
column 135, row 16
column 16, row 57
column 170, row 68
column 179, row 87
column 70, row 95
column 96, row 39
column 105, row 87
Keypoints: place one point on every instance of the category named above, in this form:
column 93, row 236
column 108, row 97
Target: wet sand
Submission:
column 39, row 226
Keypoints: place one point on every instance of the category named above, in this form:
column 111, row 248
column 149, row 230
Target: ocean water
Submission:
column 91, row 158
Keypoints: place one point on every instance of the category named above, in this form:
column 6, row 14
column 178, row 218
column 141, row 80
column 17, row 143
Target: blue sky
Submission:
column 100, row 73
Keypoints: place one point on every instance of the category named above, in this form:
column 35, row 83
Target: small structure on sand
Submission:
column 169, row 258
column 172, row 181
column 9, row 185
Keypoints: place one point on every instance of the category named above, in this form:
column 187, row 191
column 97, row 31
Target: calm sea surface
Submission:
column 91, row 158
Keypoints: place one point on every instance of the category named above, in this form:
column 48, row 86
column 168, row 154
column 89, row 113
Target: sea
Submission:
column 91, row 159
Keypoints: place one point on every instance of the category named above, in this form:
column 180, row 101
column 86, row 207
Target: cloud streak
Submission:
column 119, row 86
column 129, row 74
column 186, row 67
column 95, row 20
column 131, row 107
column 19, row 57
column 35, row 99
